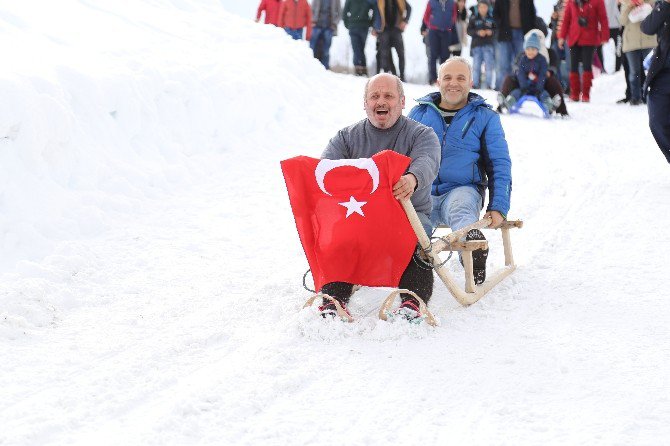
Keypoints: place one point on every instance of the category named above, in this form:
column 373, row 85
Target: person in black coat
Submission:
column 657, row 84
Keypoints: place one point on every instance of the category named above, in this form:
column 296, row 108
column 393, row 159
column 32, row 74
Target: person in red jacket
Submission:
column 585, row 27
column 271, row 8
column 294, row 15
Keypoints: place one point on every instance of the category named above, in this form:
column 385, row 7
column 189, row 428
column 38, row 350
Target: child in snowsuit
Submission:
column 531, row 74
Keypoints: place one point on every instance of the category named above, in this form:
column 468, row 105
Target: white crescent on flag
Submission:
column 326, row 166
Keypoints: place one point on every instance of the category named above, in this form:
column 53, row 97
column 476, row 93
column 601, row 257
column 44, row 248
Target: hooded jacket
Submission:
column 473, row 147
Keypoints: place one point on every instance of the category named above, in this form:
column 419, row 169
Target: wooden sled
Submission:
column 451, row 242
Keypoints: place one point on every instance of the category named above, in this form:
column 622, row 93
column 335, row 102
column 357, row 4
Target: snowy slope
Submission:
column 150, row 272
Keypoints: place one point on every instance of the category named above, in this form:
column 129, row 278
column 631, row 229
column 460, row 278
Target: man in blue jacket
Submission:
column 474, row 156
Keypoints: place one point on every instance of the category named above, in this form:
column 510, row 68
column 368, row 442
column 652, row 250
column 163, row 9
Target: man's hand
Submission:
column 404, row 188
column 496, row 219
column 402, row 26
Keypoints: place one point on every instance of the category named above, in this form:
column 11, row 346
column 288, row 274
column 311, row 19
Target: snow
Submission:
column 150, row 277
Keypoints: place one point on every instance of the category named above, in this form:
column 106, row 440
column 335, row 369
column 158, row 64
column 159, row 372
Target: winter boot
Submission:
column 548, row 103
column 329, row 309
column 409, row 310
column 575, row 87
column 360, row 70
column 501, row 103
column 478, row 256
column 587, row 79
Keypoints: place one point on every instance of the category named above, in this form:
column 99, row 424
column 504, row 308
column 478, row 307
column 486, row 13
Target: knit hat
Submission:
column 486, row 2
column 532, row 41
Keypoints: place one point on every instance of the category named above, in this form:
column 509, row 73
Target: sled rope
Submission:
column 304, row 281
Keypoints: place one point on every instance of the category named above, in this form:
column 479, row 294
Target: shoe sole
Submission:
column 479, row 257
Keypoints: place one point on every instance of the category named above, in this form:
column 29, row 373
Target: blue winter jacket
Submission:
column 537, row 66
column 474, row 150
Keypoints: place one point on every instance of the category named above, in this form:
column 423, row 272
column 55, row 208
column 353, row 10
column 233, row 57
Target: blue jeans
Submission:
column 504, row 52
column 483, row 54
column 517, row 43
column 358, row 37
column 295, row 33
column 439, row 42
column 658, row 105
column 327, row 35
column 635, row 59
column 457, row 208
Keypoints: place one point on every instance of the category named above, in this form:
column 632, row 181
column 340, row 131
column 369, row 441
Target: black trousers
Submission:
column 583, row 54
column 417, row 277
column 658, row 106
column 392, row 38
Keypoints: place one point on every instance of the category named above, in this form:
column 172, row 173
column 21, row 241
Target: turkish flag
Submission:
column 351, row 227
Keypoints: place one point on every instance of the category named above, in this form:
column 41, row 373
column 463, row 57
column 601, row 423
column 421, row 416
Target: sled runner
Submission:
column 516, row 108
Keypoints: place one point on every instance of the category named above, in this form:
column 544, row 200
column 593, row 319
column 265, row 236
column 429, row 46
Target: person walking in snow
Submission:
column 357, row 18
column 658, row 78
column 475, row 156
column 271, row 8
column 481, row 28
column 326, row 15
column 294, row 17
column 386, row 128
column 389, row 22
column 440, row 20
column 584, row 27
column 636, row 46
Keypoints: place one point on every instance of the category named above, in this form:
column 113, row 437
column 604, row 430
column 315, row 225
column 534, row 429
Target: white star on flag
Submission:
column 353, row 206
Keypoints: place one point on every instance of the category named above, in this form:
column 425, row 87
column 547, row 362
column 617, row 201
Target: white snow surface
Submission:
column 150, row 276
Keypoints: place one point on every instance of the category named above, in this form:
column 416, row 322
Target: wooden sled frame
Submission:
column 451, row 242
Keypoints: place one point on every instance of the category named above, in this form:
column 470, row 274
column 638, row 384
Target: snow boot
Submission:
column 575, row 87
column 360, row 70
column 587, row 80
column 329, row 309
column 479, row 256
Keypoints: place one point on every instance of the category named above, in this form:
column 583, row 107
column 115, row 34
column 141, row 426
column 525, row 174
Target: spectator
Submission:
column 461, row 28
column 585, row 27
column 326, row 14
column 357, row 17
column 612, row 9
column 636, row 46
column 658, row 79
column 481, row 28
column 271, row 8
column 294, row 16
column 389, row 22
column 440, row 20
column 513, row 19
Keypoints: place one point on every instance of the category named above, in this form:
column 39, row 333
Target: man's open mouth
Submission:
column 382, row 112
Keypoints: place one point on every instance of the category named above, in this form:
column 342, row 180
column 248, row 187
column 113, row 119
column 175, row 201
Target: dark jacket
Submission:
column 440, row 18
column 537, row 68
column 357, row 14
column 474, row 150
column 379, row 14
column 501, row 16
column 658, row 22
column 478, row 23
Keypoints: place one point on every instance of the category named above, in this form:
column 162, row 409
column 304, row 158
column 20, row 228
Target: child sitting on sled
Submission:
column 531, row 75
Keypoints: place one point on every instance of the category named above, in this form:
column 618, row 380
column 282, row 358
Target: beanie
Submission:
column 532, row 41
column 486, row 2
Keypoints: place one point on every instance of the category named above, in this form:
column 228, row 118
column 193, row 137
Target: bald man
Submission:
column 385, row 128
column 474, row 156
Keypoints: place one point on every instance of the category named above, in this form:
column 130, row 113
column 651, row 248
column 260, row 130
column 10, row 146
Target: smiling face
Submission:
column 455, row 82
column 383, row 101
column 531, row 52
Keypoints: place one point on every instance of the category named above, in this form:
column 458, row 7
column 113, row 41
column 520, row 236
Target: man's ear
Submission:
column 402, row 101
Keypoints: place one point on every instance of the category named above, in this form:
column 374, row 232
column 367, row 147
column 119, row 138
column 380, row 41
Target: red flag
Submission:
column 351, row 227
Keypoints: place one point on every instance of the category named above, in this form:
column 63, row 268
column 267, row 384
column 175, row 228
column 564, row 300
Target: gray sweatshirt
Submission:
column 407, row 137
